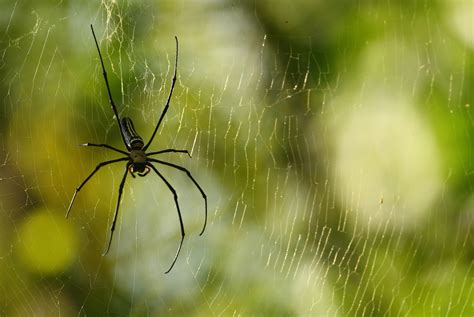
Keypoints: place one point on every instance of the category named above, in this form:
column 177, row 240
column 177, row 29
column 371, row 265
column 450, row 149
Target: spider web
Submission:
column 333, row 142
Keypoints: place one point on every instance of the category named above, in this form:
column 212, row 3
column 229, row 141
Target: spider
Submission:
column 138, row 160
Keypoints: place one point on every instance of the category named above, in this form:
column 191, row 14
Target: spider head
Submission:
column 139, row 168
column 138, row 158
column 139, row 161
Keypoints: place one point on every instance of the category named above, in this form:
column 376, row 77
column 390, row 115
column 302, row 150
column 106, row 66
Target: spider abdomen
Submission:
column 132, row 139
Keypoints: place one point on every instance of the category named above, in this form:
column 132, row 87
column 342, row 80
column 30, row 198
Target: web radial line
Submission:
column 89, row 177
column 175, row 195
column 112, row 228
column 111, row 100
column 195, row 183
column 169, row 98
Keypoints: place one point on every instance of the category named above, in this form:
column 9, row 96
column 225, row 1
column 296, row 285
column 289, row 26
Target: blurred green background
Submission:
column 333, row 139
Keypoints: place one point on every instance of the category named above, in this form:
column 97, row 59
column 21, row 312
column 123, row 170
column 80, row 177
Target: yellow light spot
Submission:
column 47, row 243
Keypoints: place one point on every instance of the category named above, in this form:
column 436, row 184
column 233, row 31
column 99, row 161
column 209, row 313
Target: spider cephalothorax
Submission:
column 138, row 160
column 139, row 163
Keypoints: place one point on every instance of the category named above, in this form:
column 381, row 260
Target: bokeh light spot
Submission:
column 47, row 243
column 387, row 156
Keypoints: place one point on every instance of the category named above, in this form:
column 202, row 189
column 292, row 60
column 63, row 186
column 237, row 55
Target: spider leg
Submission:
column 89, row 177
column 169, row 150
column 175, row 195
column 111, row 100
column 106, row 146
column 169, row 98
column 122, row 183
column 195, row 183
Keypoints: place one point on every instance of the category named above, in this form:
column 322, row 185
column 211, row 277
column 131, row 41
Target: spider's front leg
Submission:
column 175, row 196
column 89, row 177
column 122, row 183
column 195, row 183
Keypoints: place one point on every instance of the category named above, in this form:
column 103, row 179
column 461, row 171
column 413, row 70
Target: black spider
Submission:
column 138, row 161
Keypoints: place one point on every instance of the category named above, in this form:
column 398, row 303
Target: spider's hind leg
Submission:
column 165, row 109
